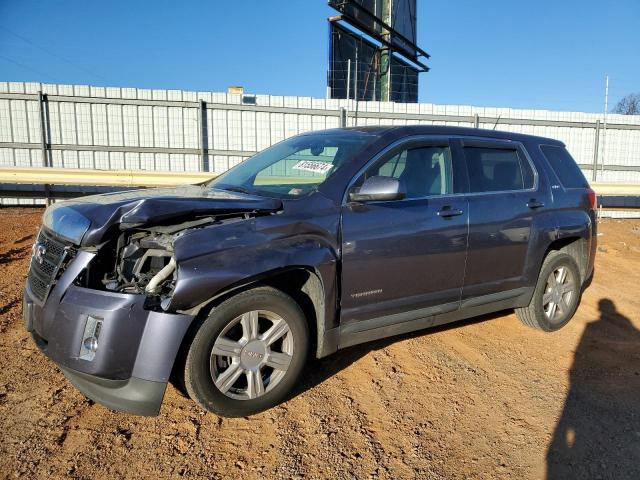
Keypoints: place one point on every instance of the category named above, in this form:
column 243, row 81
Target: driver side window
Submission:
column 421, row 171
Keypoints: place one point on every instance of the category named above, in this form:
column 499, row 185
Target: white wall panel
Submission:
column 130, row 125
column 145, row 125
column 219, row 127
column 190, row 126
column 6, row 132
column 70, row 159
column 99, row 120
column 19, row 126
column 83, row 123
column 116, row 160
column 160, row 127
column 176, row 127
column 246, row 130
column 132, row 161
column 263, row 130
column 249, row 131
column 220, row 163
column 234, row 125
column 191, row 163
column 85, row 159
column 277, row 125
column 147, row 161
column 22, row 157
column 6, row 157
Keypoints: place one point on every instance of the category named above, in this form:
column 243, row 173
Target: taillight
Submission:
column 592, row 198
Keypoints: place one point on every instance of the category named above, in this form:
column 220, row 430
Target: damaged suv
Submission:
column 323, row 241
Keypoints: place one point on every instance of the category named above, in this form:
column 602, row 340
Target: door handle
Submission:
column 533, row 203
column 447, row 211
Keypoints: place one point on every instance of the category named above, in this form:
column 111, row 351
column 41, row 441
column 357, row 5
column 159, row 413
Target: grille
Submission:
column 44, row 270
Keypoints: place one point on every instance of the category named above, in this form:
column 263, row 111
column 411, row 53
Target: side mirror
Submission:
column 378, row 188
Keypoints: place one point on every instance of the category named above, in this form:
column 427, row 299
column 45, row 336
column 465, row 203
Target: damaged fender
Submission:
column 217, row 259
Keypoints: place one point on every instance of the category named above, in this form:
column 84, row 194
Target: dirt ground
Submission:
column 487, row 398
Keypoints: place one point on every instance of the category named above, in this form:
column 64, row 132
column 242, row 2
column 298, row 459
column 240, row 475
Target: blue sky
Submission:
column 543, row 54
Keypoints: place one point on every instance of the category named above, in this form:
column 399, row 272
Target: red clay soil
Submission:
column 488, row 398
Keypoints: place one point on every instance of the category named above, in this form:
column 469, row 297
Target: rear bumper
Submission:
column 591, row 254
column 136, row 347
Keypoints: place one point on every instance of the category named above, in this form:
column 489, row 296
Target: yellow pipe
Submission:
column 143, row 178
column 108, row 178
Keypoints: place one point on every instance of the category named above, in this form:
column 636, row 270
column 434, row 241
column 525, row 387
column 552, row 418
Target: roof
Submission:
column 402, row 130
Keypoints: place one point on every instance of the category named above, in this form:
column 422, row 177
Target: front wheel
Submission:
column 247, row 354
column 556, row 296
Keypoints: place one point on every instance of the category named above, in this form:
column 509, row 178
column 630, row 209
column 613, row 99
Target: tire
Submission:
column 565, row 295
column 232, row 345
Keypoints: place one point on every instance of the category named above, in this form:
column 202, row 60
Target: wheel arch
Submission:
column 302, row 283
column 575, row 246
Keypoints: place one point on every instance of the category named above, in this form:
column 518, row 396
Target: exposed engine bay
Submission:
column 142, row 256
column 145, row 261
column 134, row 235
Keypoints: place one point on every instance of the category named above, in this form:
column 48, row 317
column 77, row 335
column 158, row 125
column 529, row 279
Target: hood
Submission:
column 97, row 214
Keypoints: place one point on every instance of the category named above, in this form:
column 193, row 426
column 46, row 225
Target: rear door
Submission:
column 406, row 256
column 504, row 199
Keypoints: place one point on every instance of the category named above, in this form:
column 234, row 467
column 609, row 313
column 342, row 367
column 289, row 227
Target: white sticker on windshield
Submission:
column 313, row 166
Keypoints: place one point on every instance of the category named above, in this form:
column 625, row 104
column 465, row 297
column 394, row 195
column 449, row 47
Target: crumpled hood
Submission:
column 151, row 206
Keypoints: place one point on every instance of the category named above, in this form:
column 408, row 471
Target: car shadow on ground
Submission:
column 598, row 434
column 319, row 370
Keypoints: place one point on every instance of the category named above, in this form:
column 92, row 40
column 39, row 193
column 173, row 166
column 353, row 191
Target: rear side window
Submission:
column 497, row 170
column 565, row 167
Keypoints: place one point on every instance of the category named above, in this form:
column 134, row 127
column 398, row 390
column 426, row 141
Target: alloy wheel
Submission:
column 558, row 294
column 251, row 355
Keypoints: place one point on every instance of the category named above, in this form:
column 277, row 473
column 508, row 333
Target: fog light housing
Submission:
column 27, row 314
column 90, row 344
column 90, row 337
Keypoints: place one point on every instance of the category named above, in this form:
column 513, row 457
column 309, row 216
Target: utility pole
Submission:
column 355, row 79
column 604, row 126
column 385, row 55
column 355, row 87
column 348, row 77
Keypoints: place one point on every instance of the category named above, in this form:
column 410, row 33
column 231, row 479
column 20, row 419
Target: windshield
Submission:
column 296, row 166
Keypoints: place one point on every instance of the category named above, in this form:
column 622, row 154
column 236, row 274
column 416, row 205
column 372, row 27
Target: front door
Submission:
column 405, row 259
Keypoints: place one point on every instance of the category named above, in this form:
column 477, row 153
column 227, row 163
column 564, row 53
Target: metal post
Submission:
column 153, row 138
column 355, row 78
column 44, row 144
column 204, row 140
column 594, row 172
column 606, row 111
column 476, row 120
column 348, row 78
column 355, row 88
column 93, row 137
column 385, row 60
column 106, row 124
column 343, row 117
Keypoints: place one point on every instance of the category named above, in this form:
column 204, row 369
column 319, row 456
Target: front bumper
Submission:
column 136, row 347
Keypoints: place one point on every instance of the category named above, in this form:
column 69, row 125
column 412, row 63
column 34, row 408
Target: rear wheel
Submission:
column 248, row 353
column 556, row 296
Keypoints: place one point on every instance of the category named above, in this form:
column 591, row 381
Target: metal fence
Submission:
column 79, row 126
